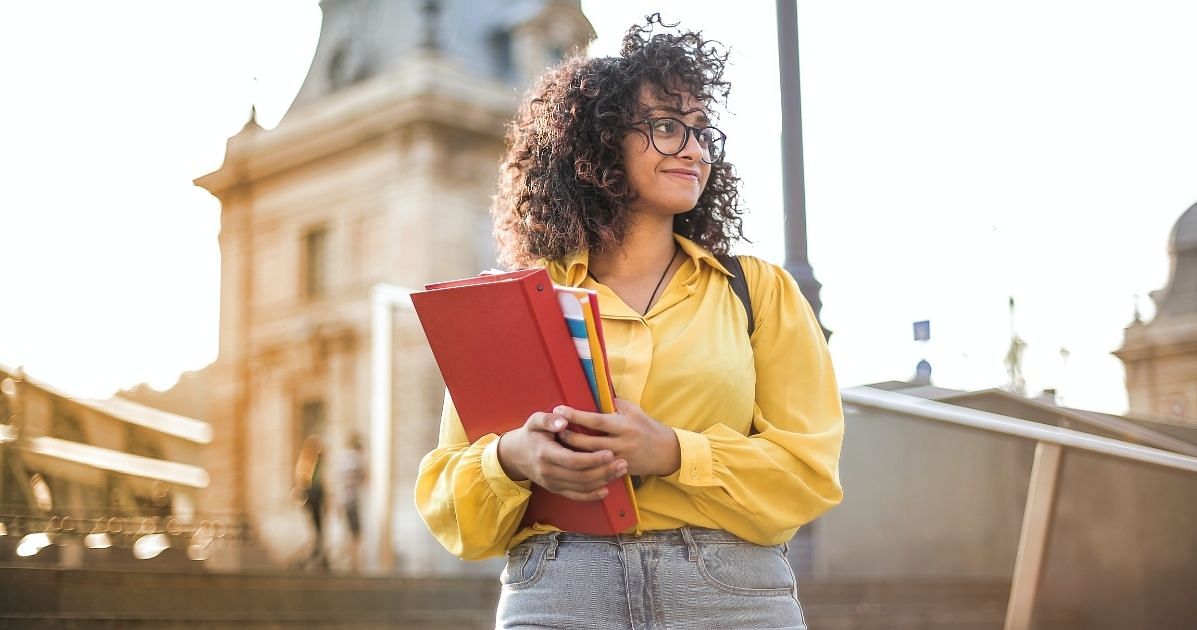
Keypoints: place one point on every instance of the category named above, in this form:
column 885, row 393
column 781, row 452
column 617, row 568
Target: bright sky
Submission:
column 958, row 153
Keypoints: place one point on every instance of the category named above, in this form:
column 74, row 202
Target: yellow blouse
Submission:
column 759, row 426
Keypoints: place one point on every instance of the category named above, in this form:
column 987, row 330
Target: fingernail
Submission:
column 558, row 423
column 602, row 493
column 559, row 409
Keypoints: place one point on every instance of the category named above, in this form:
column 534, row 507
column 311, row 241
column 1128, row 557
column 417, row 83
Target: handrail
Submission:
column 1045, row 475
column 920, row 407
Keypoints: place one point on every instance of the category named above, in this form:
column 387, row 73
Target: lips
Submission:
column 683, row 173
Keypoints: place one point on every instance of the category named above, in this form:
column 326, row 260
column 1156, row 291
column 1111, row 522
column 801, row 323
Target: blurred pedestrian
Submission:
column 730, row 415
column 309, row 487
column 351, row 475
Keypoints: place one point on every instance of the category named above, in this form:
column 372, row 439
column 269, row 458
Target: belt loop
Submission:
column 551, row 552
column 692, row 547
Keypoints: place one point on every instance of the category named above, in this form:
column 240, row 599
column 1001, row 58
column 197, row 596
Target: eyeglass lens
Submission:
column 670, row 135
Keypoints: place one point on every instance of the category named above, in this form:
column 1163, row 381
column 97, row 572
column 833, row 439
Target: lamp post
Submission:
column 793, row 177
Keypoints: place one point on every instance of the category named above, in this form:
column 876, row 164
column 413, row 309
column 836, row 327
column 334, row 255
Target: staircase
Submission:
column 47, row 597
column 39, row 597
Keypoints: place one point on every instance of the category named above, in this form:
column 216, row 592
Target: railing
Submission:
column 1045, row 472
column 147, row 534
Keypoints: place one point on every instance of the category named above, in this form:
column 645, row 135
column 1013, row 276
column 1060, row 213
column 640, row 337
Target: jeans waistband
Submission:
column 680, row 536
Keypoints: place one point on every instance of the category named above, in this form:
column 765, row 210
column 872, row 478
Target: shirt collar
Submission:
column 572, row 269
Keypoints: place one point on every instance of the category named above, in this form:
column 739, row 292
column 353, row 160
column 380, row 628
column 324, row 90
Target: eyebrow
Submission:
column 702, row 117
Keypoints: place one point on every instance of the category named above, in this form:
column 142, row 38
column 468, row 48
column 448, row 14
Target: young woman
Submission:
column 615, row 180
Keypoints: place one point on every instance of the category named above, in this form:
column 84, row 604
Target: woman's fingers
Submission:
column 586, row 477
column 559, row 469
column 558, row 455
column 584, row 442
column 580, row 475
column 547, row 422
column 561, row 480
column 597, row 421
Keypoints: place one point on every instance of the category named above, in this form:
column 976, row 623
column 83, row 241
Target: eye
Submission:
column 667, row 126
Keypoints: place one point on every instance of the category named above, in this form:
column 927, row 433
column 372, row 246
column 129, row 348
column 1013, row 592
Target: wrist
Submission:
column 671, row 450
column 506, row 460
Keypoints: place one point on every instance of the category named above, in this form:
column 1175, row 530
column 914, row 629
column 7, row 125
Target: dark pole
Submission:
column 792, row 176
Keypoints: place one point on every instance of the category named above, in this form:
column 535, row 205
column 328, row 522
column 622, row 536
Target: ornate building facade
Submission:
column 1161, row 356
column 381, row 172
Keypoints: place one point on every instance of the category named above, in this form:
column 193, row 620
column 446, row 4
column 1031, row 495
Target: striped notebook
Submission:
column 580, row 308
column 575, row 320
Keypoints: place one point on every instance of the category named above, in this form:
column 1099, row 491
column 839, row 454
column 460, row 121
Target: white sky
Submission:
column 957, row 153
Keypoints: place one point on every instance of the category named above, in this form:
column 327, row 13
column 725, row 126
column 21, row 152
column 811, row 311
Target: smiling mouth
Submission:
column 686, row 175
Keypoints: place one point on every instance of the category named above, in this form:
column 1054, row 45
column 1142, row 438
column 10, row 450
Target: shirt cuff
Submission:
column 698, row 468
column 507, row 490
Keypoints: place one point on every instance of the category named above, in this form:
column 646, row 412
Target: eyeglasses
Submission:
column 670, row 135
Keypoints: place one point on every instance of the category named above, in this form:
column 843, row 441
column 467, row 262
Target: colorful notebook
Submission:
column 575, row 320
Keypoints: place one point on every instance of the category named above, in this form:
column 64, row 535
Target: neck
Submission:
column 647, row 248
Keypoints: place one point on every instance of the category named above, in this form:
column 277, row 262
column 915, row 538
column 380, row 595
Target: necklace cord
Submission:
column 664, row 273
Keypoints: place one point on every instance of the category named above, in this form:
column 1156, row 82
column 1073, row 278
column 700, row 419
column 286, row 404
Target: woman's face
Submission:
column 665, row 184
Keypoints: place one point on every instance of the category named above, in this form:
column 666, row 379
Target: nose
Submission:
column 691, row 150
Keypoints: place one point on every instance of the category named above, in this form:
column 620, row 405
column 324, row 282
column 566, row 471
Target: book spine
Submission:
column 558, row 346
column 600, row 360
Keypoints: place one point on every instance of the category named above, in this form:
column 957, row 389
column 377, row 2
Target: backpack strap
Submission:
column 739, row 286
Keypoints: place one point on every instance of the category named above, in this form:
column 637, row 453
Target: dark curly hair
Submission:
column 563, row 186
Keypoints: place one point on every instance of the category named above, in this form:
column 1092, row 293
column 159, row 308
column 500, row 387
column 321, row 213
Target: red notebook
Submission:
column 504, row 350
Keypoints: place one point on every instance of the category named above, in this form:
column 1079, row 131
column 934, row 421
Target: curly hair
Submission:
column 563, row 186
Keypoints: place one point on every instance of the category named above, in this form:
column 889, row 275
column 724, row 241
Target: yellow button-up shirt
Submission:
column 759, row 420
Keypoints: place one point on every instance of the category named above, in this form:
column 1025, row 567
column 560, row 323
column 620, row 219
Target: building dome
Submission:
column 1179, row 298
column 1184, row 235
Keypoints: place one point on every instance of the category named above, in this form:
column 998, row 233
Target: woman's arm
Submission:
column 764, row 486
column 464, row 497
column 466, row 494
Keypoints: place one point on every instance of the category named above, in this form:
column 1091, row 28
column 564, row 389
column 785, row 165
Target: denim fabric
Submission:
column 685, row 578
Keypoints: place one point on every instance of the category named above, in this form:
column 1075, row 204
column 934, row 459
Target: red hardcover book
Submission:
column 504, row 351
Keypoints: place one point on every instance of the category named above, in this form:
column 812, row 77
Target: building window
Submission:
column 315, row 263
column 500, row 55
column 65, row 425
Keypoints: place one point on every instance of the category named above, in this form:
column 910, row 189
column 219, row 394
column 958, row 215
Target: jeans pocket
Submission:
column 746, row 569
column 525, row 565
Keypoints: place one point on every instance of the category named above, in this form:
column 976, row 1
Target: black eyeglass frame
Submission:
column 652, row 139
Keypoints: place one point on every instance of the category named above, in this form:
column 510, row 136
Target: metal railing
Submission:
column 1045, row 473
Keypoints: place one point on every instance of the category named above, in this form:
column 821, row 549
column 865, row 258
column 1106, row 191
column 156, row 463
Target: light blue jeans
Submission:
column 683, row 579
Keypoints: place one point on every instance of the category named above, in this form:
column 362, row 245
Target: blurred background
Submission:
column 208, row 370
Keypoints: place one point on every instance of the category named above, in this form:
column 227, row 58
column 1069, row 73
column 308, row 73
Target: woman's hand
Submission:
column 649, row 447
column 532, row 452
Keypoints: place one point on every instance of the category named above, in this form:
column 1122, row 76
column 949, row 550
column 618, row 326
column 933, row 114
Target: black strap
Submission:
column 739, row 285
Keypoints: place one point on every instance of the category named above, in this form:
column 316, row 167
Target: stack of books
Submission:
column 512, row 344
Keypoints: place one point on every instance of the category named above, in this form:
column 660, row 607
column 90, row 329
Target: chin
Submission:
column 670, row 206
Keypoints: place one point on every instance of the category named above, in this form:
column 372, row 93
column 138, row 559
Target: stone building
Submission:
column 381, row 172
column 1161, row 356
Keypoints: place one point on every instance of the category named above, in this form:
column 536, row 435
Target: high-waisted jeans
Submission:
column 686, row 578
